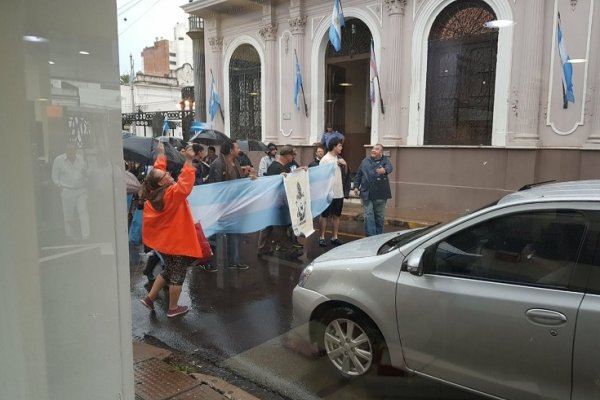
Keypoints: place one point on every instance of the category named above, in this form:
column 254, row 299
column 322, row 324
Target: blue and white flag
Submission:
column 245, row 206
column 335, row 29
column 165, row 126
column 200, row 126
column 298, row 84
column 567, row 67
column 215, row 101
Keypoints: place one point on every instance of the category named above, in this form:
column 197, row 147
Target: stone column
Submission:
column 216, row 46
column 197, row 35
column 391, row 64
column 527, row 108
column 300, row 120
column 268, row 32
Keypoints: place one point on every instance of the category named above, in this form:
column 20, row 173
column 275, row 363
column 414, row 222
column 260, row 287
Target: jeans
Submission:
column 374, row 216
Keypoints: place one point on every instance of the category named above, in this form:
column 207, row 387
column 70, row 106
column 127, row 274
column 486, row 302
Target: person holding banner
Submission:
column 335, row 208
column 280, row 166
column 169, row 227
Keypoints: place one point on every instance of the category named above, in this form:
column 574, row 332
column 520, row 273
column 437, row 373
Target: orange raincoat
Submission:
column 172, row 231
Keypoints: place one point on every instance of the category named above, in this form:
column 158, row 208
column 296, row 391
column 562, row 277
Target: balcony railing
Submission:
column 196, row 23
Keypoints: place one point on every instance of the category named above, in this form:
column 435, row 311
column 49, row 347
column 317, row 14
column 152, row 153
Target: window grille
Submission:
column 461, row 72
column 245, row 94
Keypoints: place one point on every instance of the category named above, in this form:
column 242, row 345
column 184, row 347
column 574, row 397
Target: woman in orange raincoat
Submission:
column 169, row 227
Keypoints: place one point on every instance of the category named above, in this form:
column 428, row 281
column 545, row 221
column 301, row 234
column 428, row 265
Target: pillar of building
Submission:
column 268, row 32
column 300, row 132
column 196, row 32
column 391, row 83
column 216, row 46
column 530, row 67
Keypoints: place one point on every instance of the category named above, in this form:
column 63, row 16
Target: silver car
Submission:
column 504, row 302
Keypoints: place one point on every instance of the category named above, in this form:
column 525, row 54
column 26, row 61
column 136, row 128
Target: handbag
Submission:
column 380, row 188
column 204, row 245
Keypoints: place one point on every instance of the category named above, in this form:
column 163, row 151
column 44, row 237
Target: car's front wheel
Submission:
column 351, row 341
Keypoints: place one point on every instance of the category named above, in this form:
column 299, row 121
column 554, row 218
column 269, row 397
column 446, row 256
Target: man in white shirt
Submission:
column 69, row 174
column 335, row 208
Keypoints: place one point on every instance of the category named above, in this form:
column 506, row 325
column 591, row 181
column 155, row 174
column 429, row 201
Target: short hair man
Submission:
column 371, row 179
column 211, row 156
column 334, row 211
column 70, row 175
column 278, row 233
column 319, row 153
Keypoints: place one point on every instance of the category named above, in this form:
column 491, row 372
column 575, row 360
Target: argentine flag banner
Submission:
column 335, row 29
column 567, row 67
column 245, row 206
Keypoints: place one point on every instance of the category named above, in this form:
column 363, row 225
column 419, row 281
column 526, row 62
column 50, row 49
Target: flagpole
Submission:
column 380, row 98
column 220, row 109
column 302, row 88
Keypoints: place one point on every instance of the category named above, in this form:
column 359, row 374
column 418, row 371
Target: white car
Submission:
column 504, row 302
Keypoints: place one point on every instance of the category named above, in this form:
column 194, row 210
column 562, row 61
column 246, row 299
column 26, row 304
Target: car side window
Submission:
column 531, row 248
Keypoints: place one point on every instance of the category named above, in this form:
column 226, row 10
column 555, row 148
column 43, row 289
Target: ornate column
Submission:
column 216, row 46
column 297, row 24
column 196, row 32
column 392, row 66
column 527, row 106
column 268, row 32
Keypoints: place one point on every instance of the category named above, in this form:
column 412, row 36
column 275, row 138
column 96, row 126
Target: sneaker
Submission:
column 322, row 243
column 238, row 266
column 209, row 267
column 180, row 310
column 148, row 303
column 336, row 242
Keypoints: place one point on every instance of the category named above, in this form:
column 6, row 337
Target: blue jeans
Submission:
column 374, row 216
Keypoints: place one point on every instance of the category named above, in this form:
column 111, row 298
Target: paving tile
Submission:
column 202, row 392
column 144, row 351
column 157, row 380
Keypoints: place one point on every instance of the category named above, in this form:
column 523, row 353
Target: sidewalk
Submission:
column 155, row 379
column 353, row 211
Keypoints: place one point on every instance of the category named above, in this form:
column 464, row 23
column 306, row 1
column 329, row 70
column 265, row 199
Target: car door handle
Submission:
column 546, row 317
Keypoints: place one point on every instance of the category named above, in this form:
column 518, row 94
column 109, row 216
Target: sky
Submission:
column 141, row 22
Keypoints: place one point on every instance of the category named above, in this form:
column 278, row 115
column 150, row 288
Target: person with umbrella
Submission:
column 169, row 227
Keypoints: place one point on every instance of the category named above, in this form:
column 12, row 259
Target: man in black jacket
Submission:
column 372, row 181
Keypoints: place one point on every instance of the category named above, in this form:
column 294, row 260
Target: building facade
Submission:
column 472, row 101
column 152, row 94
column 168, row 55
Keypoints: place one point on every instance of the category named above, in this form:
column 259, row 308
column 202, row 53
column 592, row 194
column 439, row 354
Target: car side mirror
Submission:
column 414, row 262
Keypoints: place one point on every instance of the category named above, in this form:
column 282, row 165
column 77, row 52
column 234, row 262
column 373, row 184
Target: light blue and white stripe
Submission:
column 245, row 206
column 566, row 64
column 335, row 29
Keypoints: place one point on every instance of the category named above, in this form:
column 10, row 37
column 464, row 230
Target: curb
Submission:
column 224, row 388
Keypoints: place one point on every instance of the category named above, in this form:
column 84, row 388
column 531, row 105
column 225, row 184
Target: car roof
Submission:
column 574, row 190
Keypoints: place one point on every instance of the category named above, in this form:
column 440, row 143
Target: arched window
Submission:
column 245, row 93
column 461, row 75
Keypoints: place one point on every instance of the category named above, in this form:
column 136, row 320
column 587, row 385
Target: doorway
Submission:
column 347, row 106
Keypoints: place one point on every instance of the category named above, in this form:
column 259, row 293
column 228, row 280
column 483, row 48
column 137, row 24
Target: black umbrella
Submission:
column 175, row 142
column 252, row 145
column 210, row 136
column 143, row 150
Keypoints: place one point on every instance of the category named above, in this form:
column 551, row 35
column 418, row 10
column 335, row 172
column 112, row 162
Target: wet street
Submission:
column 240, row 321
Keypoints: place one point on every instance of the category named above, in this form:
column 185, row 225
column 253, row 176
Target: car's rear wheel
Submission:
column 351, row 341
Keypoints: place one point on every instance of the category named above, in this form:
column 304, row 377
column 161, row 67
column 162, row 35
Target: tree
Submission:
column 125, row 79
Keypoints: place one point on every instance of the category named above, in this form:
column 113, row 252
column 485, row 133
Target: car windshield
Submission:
column 401, row 240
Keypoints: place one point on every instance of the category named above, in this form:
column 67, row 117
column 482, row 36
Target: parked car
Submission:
column 504, row 302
